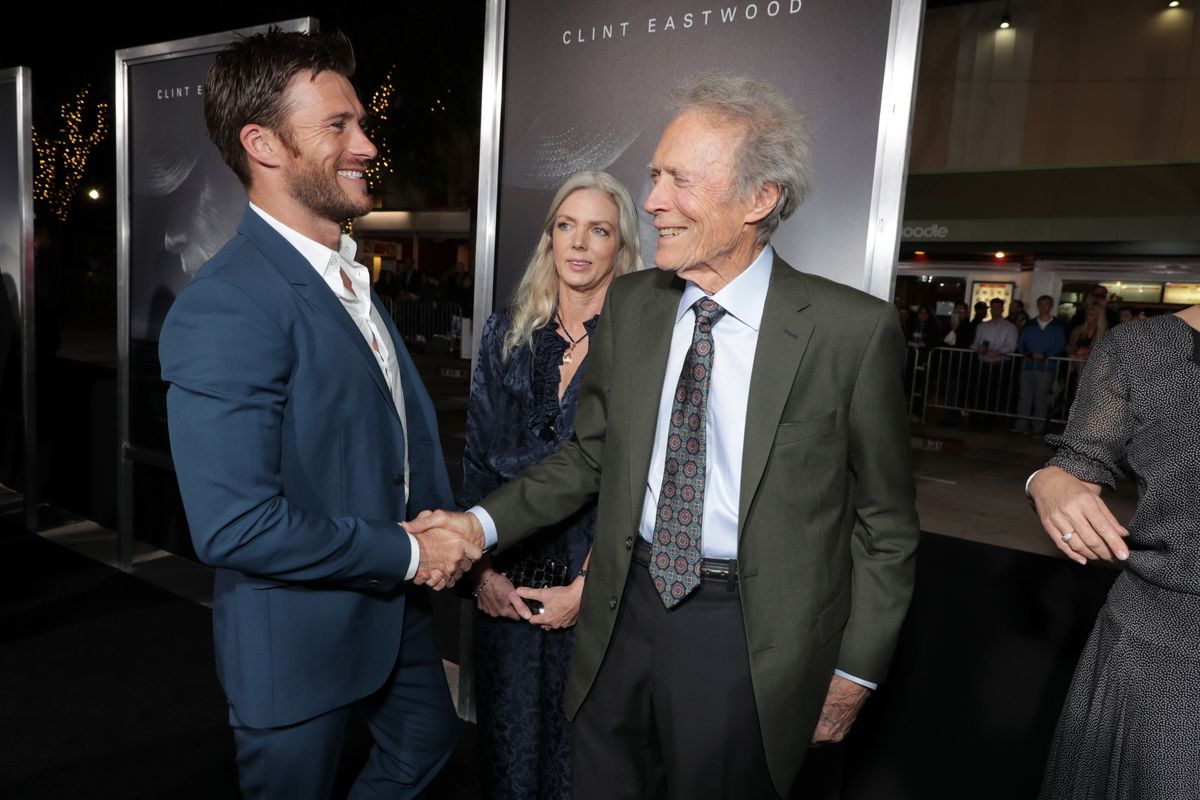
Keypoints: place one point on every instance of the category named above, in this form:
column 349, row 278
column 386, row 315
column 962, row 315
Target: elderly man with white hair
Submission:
column 753, row 558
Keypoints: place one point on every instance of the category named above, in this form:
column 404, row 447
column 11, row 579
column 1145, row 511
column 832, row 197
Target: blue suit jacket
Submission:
column 290, row 454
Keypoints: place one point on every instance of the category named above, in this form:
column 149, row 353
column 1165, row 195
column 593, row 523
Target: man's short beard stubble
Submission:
column 319, row 191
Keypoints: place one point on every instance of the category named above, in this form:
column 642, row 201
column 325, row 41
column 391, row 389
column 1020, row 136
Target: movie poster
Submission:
column 586, row 86
column 185, row 203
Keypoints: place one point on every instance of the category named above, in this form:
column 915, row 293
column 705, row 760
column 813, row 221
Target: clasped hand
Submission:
column 450, row 544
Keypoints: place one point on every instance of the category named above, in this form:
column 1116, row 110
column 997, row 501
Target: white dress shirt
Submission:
column 356, row 299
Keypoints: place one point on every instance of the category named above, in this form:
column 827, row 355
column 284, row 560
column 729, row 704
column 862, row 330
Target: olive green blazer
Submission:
column 827, row 524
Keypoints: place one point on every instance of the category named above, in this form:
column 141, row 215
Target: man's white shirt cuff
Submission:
column 416, row 557
column 859, row 681
column 490, row 537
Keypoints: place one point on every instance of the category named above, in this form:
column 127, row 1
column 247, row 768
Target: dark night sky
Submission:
column 427, row 39
column 435, row 45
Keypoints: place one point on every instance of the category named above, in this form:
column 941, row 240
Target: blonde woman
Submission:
column 526, row 383
column 1083, row 338
column 1087, row 334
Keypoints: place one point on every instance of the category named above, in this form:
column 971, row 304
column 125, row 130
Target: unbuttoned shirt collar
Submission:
column 742, row 298
column 315, row 253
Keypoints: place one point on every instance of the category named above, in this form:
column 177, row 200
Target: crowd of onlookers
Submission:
column 994, row 383
column 1095, row 315
column 408, row 281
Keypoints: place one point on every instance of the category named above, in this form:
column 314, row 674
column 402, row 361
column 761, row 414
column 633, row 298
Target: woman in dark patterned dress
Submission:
column 523, row 395
column 1130, row 727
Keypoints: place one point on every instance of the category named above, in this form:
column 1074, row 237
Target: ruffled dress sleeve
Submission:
column 479, row 479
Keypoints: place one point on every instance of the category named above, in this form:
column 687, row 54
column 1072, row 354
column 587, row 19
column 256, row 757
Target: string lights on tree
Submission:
column 377, row 128
column 61, row 162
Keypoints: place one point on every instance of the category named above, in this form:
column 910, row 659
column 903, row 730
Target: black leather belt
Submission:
column 712, row 570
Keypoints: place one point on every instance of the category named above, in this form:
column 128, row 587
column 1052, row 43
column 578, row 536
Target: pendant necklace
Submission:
column 567, row 357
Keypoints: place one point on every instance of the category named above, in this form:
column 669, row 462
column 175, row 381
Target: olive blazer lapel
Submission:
column 783, row 338
column 650, row 324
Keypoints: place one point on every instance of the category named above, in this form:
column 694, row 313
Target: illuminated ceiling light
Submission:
column 1005, row 22
column 919, row 253
column 1173, row 4
column 1001, row 254
column 94, row 194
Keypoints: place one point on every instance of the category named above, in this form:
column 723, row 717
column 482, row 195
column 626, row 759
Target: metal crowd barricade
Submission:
column 426, row 323
column 954, row 380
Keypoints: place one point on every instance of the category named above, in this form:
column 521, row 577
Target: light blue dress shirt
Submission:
column 735, row 339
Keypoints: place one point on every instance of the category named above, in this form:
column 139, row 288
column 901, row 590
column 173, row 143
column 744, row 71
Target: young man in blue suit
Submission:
column 301, row 435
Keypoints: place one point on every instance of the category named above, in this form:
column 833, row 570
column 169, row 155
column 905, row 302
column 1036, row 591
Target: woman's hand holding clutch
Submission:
column 560, row 604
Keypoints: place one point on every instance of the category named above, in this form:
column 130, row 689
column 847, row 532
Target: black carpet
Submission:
column 109, row 685
column 979, row 677
column 109, row 688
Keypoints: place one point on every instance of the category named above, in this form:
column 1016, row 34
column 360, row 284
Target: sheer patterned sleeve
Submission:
column 1100, row 424
column 479, row 479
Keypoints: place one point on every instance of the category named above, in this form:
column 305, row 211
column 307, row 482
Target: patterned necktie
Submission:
column 675, row 554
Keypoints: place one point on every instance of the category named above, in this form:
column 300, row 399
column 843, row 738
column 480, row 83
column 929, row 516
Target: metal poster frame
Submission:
column 890, row 172
column 490, row 108
column 891, row 158
column 21, row 77
column 129, row 454
column 491, row 100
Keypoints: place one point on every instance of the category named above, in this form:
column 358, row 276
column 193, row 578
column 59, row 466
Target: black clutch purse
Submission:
column 537, row 573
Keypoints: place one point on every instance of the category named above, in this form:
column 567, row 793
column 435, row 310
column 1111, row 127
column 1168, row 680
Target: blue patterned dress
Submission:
column 515, row 419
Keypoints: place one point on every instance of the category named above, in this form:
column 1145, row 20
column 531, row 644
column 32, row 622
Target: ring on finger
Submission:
column 1066, row 537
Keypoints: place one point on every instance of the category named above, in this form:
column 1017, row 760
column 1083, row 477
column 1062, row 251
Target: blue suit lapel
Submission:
column 429, row 486
column 309, row 285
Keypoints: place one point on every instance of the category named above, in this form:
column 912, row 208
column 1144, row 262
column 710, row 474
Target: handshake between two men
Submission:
column 450, row 544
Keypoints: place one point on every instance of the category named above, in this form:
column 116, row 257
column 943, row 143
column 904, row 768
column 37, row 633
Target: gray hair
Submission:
column 777, row 141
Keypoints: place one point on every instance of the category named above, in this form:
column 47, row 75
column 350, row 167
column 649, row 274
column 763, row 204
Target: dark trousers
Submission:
column 412, row 722
column 672, row 712
column 1034, row 399
column 991, row 391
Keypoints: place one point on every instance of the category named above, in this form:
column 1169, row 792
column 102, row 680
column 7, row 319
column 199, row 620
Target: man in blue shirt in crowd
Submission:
column 1040, row 341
